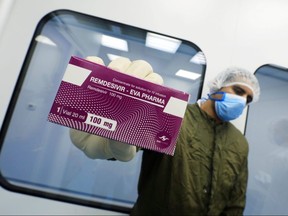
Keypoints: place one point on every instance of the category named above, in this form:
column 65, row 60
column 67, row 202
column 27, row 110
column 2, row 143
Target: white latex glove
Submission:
column 97, row 147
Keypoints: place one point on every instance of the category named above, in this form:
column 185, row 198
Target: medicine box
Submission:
column 101, row 101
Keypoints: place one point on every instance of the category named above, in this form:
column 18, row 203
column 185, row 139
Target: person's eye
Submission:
column 239, row 91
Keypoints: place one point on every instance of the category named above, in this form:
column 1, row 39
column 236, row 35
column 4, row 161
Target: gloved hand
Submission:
column 97, row 147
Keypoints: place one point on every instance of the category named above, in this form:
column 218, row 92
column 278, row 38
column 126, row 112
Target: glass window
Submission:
column 37, row 156
column 266, row 131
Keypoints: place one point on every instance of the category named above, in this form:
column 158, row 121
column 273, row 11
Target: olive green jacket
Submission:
column 206, row 176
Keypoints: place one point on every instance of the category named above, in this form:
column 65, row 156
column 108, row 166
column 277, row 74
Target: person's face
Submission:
column 240, row 90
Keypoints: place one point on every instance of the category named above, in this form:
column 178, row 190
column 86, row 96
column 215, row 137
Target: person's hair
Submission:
column 235, row 75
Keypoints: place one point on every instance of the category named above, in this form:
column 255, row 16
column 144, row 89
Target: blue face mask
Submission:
column 229, row 106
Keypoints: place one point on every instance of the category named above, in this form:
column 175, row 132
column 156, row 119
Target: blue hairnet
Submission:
column 235, row 75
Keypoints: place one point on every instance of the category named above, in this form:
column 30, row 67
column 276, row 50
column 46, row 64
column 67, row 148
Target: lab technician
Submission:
column 208, row 173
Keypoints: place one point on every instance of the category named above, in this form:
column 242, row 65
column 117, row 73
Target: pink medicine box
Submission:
column 107, row 103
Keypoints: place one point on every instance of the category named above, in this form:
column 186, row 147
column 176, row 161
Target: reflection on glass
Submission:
column 267, row 134
column 163, row 43
column 38, row 155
